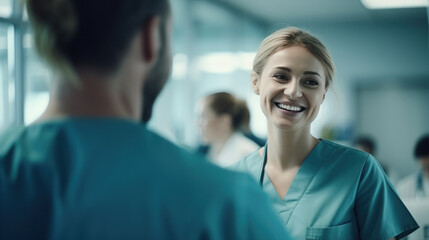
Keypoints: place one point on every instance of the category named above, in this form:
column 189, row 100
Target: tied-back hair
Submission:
column 292, row 36
column 226, row 103
column 70, row 34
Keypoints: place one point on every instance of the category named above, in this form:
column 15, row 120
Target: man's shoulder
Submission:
column 9, row 137
column 133, row 144
column 151, row 176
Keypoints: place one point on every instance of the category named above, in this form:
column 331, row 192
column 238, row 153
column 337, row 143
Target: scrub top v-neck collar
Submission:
column 299, row 184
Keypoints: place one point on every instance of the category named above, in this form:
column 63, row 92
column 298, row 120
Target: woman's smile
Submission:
column 290, row 107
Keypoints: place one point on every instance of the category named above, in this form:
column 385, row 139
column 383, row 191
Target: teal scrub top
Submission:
column 338, row 193
column 107, row 178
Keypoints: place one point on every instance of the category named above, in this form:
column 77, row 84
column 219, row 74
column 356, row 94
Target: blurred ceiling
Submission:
column 318, row 11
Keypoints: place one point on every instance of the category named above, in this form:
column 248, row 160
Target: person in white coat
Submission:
column 221, row 117
column 416, row 185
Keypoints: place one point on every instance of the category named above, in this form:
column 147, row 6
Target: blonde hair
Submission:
column 292, row 36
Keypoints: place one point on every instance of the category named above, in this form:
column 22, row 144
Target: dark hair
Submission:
column 73, row 33
column 226, row 103
column 422, row 147
column 366, row 142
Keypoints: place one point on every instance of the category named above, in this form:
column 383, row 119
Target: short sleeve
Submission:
column 380, row 212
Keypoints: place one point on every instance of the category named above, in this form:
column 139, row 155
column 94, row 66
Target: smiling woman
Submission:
column 291, row 87
column 305, row 177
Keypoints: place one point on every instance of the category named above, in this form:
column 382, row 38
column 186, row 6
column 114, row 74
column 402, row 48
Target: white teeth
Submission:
column 290, row 108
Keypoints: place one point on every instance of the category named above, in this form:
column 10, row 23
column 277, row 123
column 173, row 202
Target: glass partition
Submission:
column 36, row 77
column 7, row 87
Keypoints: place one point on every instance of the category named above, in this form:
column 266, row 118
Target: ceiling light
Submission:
column 380, row 4
column 226, row 62
column 180, row 66
column 218, row 62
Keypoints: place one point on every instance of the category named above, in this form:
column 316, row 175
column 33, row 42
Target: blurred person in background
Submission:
column 88, row 168
column 321, row 190
column 416, row 185
column 245, row 129
column 221, row 117
column 368, row 145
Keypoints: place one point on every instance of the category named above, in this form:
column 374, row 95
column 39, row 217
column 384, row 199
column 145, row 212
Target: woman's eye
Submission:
column 280, row 77
column 311, row 82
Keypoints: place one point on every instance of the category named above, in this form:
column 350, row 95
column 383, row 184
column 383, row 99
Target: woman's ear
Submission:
column 255, row 82
column 324, row 95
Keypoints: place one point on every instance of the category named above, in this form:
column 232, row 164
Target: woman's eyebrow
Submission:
column 306, row 72
column 283, row 68
column 312, row 73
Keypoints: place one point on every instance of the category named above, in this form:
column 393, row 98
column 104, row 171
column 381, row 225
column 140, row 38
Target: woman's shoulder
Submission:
column 337, row 146
column 330, row 147
column 252, row 164
column 340, row 153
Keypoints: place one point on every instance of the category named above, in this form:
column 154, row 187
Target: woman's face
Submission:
column 210, row 124
column 291, row 88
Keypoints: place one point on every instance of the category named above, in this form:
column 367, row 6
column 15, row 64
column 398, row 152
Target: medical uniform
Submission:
column 415, row 186
column 101, row 178
column 338, row 193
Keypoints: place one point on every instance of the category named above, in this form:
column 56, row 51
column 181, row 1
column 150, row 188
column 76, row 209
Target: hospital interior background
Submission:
column 381, row 57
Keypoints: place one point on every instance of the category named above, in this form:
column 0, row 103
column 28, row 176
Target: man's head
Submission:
column 421, row 153
column 96, row 34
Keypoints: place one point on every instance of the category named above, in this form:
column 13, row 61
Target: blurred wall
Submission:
column 365, row 53
column 376, row 62
column 395, row 115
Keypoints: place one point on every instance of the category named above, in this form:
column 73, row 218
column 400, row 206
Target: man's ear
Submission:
column 151, row 39
column 255, row 82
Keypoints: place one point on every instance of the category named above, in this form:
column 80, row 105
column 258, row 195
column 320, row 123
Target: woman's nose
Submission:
column 293, row 89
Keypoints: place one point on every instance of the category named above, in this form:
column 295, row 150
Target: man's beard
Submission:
column 156, row 80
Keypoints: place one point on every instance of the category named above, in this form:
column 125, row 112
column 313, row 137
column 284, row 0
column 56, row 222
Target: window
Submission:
column 7, row 86
column 5, row 8
column 37, row 76
column 11, row 54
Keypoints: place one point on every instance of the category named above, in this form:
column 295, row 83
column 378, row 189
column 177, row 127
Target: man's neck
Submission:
column 96, row 95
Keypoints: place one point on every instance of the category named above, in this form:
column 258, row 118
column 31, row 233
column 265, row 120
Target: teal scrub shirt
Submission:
column 338, row 193
column 106, row 178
